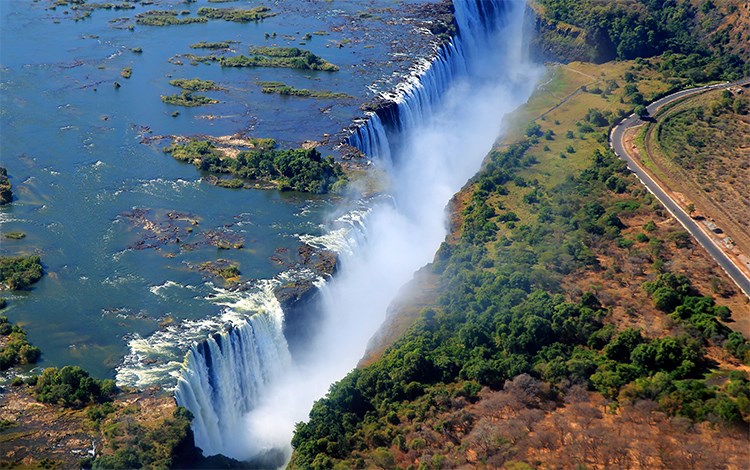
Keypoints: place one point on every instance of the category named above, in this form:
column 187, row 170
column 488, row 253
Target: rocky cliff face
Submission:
column 558, row 41
column 300, row 299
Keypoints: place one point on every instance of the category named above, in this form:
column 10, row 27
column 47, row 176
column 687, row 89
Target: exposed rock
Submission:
column 299, row 299
column 177, row 228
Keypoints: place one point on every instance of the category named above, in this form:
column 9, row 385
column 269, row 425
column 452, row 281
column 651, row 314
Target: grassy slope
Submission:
column 700, row 149
column 455, row 431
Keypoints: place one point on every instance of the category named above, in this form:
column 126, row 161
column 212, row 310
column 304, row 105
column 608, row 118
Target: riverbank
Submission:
column 553, row 223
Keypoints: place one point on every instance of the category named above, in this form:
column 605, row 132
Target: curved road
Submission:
column 616, row 142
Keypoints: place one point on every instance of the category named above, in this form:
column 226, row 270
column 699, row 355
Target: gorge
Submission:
column 244, row 388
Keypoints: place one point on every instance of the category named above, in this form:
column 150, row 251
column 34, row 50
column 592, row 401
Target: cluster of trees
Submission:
column 501, row 314
column 675, row 295
column 286, row 90
column 15, row 348
column 295, row 169
column 165, row 18
column 188, row 99
column 6, row 191
column 238, row 15
column 133, row 445
column 644, row 28
column 195, row 84
column 285, row 57
column 19, row 272
column 72, row 387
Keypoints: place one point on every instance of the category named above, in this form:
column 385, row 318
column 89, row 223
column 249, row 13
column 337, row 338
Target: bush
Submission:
column 20, row 272
column 72, row 387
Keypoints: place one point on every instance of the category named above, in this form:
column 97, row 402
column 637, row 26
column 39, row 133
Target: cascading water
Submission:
column 431, row 139
column 477, row 21
column 225, row 375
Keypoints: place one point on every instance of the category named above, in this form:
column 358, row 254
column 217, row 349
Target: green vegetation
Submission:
column 285, row 90
column 165, row 18
column 688, row 136
column 72, row 387
column 284, row 57
column 14, row 348
column 102, row 6
column 231, row 183
column 20, row 272
column 236, row 14
column 501, row 314
column 15, row 235
column 689, row 39
column 127, row 72
column 195, row 84
column 211, row 45
column 222, row 268
column 6, row 191
column 295, row 169
column 135, row 444
column 189, row 99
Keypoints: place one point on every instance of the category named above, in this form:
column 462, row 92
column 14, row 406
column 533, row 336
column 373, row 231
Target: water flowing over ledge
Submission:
column 411, row 103
column 242, row 385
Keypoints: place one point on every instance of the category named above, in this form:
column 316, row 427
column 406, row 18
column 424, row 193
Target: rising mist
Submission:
column 447, row 124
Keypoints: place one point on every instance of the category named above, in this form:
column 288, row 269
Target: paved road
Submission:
column 616, row 142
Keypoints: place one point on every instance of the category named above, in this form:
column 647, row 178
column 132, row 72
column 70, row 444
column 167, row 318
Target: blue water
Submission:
column 71, row 143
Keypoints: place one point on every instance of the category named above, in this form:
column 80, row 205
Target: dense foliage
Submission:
column 644, row 28
column 135, row 445
column 501, row 315
column 211, row 45
column 195, row 84
column 72, row 387
column 165, row 18
column 188, row 98
column 20, row 272
column 14, row 347
column 6, row 192
column 295, row 169
column 285, row 57
column 286, row 90
column 238, row 15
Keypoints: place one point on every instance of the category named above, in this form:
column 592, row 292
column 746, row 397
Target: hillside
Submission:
column 567, row 319
column 707, row 38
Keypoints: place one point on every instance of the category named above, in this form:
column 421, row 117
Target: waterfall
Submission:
column 225, row 374
column 431, row 136
column 412, row 105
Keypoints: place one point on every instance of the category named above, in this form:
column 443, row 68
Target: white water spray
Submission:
column 432, row 141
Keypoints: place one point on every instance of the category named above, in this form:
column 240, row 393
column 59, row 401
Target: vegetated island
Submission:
column 82, row 9
column 237, row 15
column 188, row 99
column 15, row 349
column 283, row 57
column 195, row 84
column 280, row 88
column 276, row 57
column 295, row 169
column 165, row 18
column 569, row 319
column 6, row 188
column 212, row 45
column 19, row 272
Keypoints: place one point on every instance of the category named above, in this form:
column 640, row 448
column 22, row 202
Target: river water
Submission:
column 71, row 142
